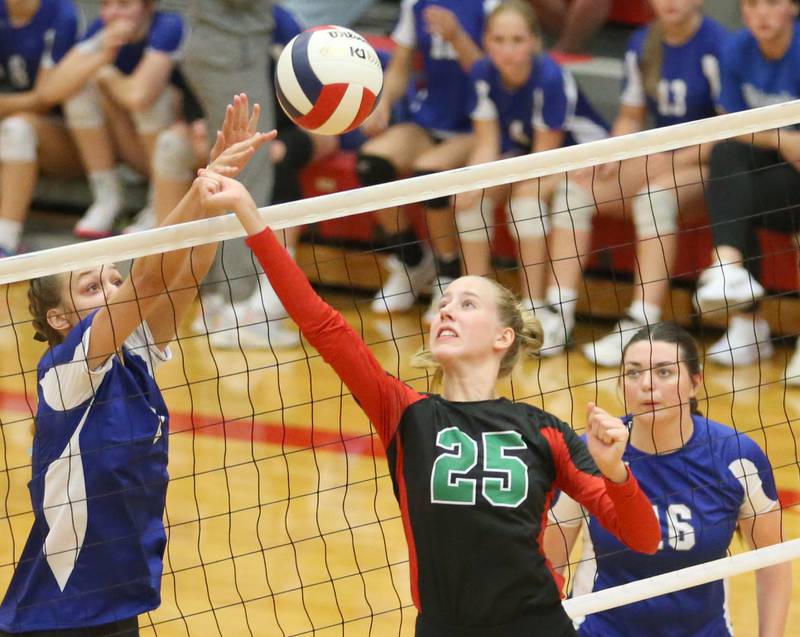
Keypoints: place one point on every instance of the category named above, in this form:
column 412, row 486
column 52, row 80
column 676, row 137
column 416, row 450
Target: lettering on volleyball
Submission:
column 680, row 532
column 504, row 480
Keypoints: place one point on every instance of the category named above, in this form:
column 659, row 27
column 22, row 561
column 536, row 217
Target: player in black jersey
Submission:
column 473, row 474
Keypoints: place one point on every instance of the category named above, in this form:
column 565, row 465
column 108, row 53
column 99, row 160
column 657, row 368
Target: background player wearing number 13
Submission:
column 473, row 474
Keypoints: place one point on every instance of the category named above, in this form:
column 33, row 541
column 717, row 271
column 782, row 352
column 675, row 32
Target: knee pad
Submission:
column 437, row 203
column 18, row 140
column 474, row 224
column 173, row 157
column 373, row 170
column 655, row 213
column 573, row 207
column 159, row 116
column 84, row 109
column 529, row 216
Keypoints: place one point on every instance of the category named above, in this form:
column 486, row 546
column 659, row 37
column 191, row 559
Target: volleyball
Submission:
column 328, row 80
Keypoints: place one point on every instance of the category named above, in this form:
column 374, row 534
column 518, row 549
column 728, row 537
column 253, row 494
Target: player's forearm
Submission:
column 72, row 74
column 468, row 51
column 24, row 102
column 774, row 591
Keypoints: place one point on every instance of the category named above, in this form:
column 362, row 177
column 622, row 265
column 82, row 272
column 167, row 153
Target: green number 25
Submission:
column 449, row 484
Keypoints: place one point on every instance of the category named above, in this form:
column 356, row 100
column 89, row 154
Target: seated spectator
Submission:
column 33, row 138
column 507, row 120
column 114, row 86
column 671, row 76
column 755, row 182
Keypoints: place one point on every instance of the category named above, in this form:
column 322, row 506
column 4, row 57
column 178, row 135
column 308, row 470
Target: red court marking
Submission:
column 256, row 429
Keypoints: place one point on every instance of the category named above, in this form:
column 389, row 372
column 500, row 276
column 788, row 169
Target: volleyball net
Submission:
column 281, row 517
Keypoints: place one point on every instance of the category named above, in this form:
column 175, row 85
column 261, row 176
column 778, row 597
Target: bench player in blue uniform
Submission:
column 754, row 182
column 33, row 138
column 672, row 76
column 437, row 137
column 93, row 559
column 705, row 480
column 522, row 102
column 473, row 473
column 114, row 86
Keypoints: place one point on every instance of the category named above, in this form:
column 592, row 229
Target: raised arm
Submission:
column 382, row 397
column 447, row 26
column 594, row 475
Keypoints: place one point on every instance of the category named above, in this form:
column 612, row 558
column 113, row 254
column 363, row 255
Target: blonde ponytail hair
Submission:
column 528, row 335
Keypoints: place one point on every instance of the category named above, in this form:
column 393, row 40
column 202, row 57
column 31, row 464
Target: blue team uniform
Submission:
column 549, row 100
column 98, row 488
column 167, row 35
column 441, row 101
column 749, row 80
column 700, row 493
column 286, row 25
column 39, row 44
column 690, row 76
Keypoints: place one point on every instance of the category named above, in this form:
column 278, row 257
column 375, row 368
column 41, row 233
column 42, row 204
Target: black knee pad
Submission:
column 373, row 170
column 437, row 203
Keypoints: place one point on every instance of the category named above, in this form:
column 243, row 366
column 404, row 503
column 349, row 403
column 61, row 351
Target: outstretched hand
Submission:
column 606, row 438
column 239, row 139
column 220, row 194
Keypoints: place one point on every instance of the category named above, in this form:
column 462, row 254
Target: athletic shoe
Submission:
column 726, row 286
column 97, row 222
column 746, row 342
column 438, row 287
column 554, row 330
column 208, row 319
column 145, row 219
column 404, row 284
column 607, row 351
column 264, row 300
column 240, row 327
column 792, row 374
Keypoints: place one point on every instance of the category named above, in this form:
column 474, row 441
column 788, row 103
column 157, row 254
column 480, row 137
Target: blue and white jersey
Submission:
column 167, row 35
column 441, row 101
column 690, row 76
column 286, row 25
column 38, row 44
column 749, row 80
column 700, row 493
column 549, row 100
column 98, row 488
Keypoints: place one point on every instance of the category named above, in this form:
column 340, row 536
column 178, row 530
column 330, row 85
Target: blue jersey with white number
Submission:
column 441, row 101
column 700, row 493
column 98, row 488
column 549, row 100
column 749, row 80
column 167, row 35
column 38, row 44
column 690, row 76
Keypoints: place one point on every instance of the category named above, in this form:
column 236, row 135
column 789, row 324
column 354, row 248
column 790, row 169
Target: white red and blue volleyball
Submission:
column 328, row 80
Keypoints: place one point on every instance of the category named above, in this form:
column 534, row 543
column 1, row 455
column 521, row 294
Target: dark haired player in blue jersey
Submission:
column 755, row 180
column 93, row 558
column 114, row 86
column 437, row 137
column 34, row 35
column 672, row 76
column 705, row 480
column 473, row 473
column 524, row 101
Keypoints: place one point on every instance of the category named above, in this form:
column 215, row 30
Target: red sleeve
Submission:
column 382, row 397
column 623, row 509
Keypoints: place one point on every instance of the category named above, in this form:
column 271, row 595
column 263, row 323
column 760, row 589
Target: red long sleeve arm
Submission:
column 382, row 397
column 623, row 509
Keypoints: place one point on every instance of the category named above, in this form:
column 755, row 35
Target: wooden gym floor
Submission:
column 285, row 523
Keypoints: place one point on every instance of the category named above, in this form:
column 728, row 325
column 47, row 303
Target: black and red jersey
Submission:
column 474, row 480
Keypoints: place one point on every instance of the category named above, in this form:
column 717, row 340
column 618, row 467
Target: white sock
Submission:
column 107, row 192
column 565, row 301
column 10, row 232
column 644, row 313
